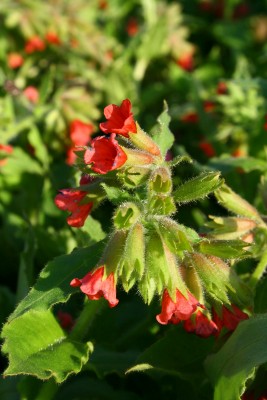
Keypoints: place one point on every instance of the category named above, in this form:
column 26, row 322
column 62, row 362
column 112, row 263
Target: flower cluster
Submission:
column 147, row 247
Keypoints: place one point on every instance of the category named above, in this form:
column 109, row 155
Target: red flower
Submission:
column 32, row 94
column 201, row 325
column 105, row 154
column 65, row 319
column 186, row 61
column 14, row 60
column 182, row 309
column 229, row 318
column 5, row 148
column 35, row 43
column 120, row 119
column 221, row 88
column 95, row 287
column 80, row 132
column 69, row 200
column 191, row 117
column 207, row 148
column 52, row 38
column 132, row 27
column 208, row 106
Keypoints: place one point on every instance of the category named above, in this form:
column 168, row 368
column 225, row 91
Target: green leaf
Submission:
column 53, row 285
column 224, row 248
column 198, row 187
column 178, row 353
column 161, row 133
column 235, row 362
column 104, row 362
column 40, row 150
column 43, row 349
column 247, row 164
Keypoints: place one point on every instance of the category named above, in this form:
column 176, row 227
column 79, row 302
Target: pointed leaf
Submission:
column 198, row 187
column 162, row 135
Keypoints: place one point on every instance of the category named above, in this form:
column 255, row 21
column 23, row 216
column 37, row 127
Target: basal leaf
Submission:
column 43, row 350
column 235, row 362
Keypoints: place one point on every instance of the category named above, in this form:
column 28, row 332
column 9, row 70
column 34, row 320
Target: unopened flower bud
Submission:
column 134, row 176
column 144, row 142
column 173, row 236
column 113, row 254
column 230, row 228
column 126, row 215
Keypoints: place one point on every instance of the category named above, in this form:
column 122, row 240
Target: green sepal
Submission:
column 230, row 228
column 161, row 205
column 224, row 248
column 236, row 204
column 126, row 215
column 198, row 187
column 115, row 194
column 133, row 176
column 113, row 253
column 173, row 236
column 160, row 181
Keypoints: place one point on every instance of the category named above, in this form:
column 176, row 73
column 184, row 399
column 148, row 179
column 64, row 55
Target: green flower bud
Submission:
column 134, row 176
column 230, row 228
column 144, row 142
column 126, row 215
column 113, row 253
column 173, row 236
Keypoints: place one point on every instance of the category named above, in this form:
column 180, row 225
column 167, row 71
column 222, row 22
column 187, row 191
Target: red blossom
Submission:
column 95, row 287
column 132, row 27
column 69, row 200
column 32, row 94
column 52, row 38
column 65, row 319
column 80, row 132
column 14, row 60
column 186, row 61
column 208, row 106
column 207, row 148
column 229, row 318
column 35, row 43
column 200, row 325
column 221, row 88
column 120, row 119
column 105, row 154
column 5, row 148
column 173, row 312
column 191, row 117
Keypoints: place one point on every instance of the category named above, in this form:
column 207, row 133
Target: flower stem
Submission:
column 259, row 270
column 85, row 320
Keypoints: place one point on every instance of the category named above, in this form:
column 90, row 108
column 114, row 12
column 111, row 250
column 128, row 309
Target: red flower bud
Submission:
column 186, row 61
column 120, row 119
column 207, row 148
column 221, row 88
column 105, row 155
column 65, row 319
column 191, row 117
column 95, row 287
column 69, row 200
column 173, row 312
column 52, row 38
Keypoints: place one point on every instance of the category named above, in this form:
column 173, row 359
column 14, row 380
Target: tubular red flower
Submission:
column 120, row 119
column 186, row 61
column 229, row 318
column 80, row 132
column 35, row 43
column 52, row 38
column 69, row 200
column 182, row 309
column 207, row 148
column 201, row 325
column 95, row 287
column 105, row 155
